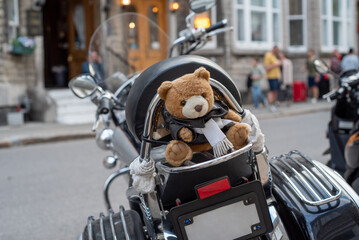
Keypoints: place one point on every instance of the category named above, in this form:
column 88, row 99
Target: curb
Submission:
column 29, row 140
column 280, row 114
column 37, row 140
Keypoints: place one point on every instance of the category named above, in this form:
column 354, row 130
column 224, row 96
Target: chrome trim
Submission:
column 263, row 166
column 112, row 225
column 227, row 94
column 125, row 84
column 305, row 182
column 122, row 210
column 340, row 180
column 147, row 130
column 337, row 188
column 102, row 228
column 89, row 227
column 147, row 217
column 205, row 164
column 109, row 181
column 311, row 175
column 318, row 200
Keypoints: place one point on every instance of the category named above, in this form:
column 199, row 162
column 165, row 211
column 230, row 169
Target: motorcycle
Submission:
column 241, row 195
column 343, row 128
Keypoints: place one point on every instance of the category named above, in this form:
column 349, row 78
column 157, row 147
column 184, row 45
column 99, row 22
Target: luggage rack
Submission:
column 305, row 182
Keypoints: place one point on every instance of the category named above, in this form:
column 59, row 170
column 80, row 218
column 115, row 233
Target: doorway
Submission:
column 148, row 45
column 68, row 26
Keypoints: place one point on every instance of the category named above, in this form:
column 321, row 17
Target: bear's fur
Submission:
column 190, row 97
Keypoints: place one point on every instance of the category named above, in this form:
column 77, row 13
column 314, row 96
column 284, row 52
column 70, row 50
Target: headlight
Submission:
column 104, row 139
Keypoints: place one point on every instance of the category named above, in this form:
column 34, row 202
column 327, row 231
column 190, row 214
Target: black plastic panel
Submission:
column 249, row 193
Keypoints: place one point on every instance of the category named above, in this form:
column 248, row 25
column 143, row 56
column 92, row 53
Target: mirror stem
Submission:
column 188, row 20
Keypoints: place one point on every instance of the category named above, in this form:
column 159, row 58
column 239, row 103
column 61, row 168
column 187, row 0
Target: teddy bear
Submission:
column 197, row 121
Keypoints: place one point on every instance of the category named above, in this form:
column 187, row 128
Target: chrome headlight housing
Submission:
column 104, row 139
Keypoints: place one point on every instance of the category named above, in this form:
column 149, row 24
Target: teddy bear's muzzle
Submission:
column 198, row 108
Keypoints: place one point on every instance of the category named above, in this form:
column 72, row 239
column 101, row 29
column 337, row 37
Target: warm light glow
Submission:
column 155, row 9
column 203, row 22
column 174, row 6
column 125, row 2
column 132, row 25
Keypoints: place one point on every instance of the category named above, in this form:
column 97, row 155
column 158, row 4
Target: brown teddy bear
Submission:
column 196, row 121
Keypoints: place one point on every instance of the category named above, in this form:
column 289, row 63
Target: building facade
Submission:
column 62, row 32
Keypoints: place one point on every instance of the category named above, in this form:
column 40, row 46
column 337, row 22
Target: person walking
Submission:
column 350, row 61
column 287, row 77
column 335, row 62
column 272, row 66
column 335, row 66
column 313, row 77
column 257, row 76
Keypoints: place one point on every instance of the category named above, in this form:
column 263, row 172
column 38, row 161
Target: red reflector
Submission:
column 213, row 188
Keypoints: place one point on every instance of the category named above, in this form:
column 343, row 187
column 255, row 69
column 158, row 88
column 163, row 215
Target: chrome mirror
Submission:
column 320, row 66
column 199, row 6
column 83, row 85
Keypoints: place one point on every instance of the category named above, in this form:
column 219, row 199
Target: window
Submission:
column 297, row 25
column 257, row 23
column 13, row 18
column 337, row 24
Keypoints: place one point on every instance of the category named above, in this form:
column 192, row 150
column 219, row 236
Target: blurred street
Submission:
column 52, row 188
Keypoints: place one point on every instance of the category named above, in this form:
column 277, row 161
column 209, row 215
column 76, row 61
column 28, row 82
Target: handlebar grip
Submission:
column 104, row 106
column 216, row 26
column 333, row 97
column 338, row 94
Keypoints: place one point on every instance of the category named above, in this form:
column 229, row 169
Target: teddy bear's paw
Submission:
column 233, row 116
column 238, row 135
column 178, row 152
column 186, row 135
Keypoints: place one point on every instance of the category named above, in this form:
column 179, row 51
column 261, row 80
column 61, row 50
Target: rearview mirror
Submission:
column 200, row 6
column 320, row 66
column 83, row 85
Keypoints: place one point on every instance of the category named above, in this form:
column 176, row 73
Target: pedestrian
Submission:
column 257, row 75
column 95, row 61
column 335, row 62
column 335, row 66
column 313, row 77
column 272, row 66
column 350, row 61
column 287, row 78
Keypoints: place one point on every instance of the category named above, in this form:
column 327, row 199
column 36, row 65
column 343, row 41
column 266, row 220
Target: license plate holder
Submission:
column 238, row 213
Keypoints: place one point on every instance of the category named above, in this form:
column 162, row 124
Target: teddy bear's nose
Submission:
column 198, row 108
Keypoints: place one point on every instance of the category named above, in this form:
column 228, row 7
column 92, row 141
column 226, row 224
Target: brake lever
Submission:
column 328, row 95
column 96, row 123
column 218, row 31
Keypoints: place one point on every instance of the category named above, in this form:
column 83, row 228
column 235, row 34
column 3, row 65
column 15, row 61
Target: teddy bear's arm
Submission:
column 185, row 134
column 232, row 115
column 179, row 132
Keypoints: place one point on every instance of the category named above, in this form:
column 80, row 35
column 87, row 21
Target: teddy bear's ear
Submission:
column 202, row 73
column 163, row 89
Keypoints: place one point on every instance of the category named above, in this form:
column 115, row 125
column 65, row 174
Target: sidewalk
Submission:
column 31, row 133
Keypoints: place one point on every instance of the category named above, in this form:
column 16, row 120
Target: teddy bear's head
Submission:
column 189, row 96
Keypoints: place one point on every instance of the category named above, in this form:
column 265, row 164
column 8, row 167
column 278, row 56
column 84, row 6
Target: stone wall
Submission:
column 17, row 73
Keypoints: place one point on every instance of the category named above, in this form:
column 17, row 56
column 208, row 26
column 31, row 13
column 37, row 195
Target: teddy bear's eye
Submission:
column 203, row 95
column 183, row 103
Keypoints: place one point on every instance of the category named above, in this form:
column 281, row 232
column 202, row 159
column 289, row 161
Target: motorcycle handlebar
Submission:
column 334, row 94
column 104, row 105
column 216, row 26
